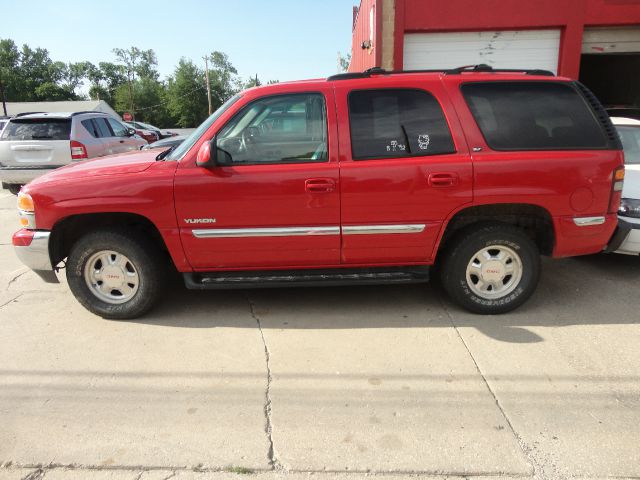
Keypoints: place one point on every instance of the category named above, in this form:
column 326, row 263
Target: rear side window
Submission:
column 90, row 127
column 38, row 129
column 533, row 116
column 630, row 137
column 393, row 123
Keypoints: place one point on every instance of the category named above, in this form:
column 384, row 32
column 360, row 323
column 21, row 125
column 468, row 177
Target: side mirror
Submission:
column 207, row 154
column 131, row 132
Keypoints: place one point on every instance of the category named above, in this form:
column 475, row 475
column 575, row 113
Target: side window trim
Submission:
column 420, row 154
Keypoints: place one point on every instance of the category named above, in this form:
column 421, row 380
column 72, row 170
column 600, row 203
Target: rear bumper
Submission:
column 23, row 175
column 32, row 248
column 626, row 239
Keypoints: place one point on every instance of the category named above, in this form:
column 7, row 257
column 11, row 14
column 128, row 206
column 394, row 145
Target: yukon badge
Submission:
column 200, row 220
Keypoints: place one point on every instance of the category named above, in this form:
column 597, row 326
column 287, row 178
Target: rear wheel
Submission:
column 115, row 274
column 491, row 269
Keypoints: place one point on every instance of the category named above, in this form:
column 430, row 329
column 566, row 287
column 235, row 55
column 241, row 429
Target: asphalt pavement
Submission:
column 326, row 383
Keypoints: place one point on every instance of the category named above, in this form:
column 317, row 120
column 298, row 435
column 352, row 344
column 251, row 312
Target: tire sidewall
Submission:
column 139, row 256
column 455, row 268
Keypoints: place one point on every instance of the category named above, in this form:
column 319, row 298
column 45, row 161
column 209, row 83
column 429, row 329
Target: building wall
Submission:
column 572, row 16
column 363, row 58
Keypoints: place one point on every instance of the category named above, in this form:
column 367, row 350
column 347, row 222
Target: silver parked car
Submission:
column 31, row 145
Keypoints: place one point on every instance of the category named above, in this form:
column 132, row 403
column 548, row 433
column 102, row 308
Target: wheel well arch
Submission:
column 536, row 221
column 70, row 229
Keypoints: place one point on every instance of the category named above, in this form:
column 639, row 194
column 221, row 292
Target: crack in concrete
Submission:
column 526, row 451
column 35, row 475
column 12, row 300
column 271, row 454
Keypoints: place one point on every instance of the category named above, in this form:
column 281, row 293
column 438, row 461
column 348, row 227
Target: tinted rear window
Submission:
column 533, row 116
column 38, row 129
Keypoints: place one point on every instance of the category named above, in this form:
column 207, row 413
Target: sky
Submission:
column 275, row 39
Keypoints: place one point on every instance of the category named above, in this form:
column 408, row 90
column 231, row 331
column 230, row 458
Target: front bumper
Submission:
column 32, row 248
column 626, row 239
column 23, row 175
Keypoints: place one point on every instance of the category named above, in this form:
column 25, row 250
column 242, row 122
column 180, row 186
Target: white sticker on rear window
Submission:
column 423, row 141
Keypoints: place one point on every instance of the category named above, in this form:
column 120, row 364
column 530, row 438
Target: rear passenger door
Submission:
column 404, row 169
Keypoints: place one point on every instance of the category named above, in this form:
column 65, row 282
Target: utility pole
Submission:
column 4, row 102
column 206, row 73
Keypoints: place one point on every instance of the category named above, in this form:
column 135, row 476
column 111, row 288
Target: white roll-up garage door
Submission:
column 531, row 49
column 611, row 40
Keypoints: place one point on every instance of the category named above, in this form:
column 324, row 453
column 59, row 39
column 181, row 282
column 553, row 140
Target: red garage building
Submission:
column 597, row 41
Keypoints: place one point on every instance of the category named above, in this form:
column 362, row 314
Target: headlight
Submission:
column 629, row 207
column 26, row 211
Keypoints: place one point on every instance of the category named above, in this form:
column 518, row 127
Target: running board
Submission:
column 305, row 278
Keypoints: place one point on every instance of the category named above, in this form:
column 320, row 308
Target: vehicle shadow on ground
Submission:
column 576, row 291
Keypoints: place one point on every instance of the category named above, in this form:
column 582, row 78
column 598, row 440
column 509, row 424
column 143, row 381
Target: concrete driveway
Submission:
column 325, row 382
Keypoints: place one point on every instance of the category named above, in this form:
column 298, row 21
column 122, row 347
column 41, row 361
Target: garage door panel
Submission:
column 535, row 49
column 611, row 40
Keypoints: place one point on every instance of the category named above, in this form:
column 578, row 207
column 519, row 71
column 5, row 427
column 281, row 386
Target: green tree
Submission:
column 186, row 95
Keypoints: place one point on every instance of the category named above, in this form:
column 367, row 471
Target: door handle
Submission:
column 443, row 179
column 121, row 141
column 318, row 185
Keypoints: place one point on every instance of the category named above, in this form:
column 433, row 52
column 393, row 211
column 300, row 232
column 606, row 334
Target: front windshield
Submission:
column 630, row 137
column 181, row 150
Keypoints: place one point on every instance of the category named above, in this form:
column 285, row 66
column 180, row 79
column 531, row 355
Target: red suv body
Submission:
column 357, row 178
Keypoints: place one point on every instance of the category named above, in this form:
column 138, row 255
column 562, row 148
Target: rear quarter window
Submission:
column 38, row 129
column 533, row 116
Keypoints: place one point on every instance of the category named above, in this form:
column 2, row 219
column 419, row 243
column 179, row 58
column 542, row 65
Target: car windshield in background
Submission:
column 37, row 129
column 184, row 147
column 630, row 137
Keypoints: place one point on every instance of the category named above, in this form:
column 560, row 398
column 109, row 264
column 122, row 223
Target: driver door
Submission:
column 273, row 199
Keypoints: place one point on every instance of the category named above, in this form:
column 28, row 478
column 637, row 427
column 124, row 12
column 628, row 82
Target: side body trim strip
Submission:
column 307, row 231
column 265, row 232
column 381, row 229
column 588, row 221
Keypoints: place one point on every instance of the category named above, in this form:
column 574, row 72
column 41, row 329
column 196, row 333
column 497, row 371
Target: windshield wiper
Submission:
column 164, row 153
column 40, row 137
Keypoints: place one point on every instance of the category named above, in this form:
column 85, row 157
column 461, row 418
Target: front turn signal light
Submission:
column 25, row 202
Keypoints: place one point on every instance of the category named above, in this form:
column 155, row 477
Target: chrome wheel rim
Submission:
column 111, row 277
column 494, row 272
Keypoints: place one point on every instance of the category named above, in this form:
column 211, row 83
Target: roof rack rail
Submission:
column 451, row 71
column 26, row 113
column 86, row 111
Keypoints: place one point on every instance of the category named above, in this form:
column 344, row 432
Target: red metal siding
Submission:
column 361, row 59
column 453, row 15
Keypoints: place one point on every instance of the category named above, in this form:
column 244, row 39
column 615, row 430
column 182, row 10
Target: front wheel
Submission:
column 115, row 275
column 491, row 269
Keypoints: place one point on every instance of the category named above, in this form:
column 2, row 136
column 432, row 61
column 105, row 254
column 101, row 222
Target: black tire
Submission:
column 14, row 188
column 146, row 258
column 466, row 290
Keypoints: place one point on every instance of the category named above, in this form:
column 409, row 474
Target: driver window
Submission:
column 277, row 129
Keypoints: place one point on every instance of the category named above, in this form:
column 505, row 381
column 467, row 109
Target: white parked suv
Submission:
column 32, row 145
column 627, row 237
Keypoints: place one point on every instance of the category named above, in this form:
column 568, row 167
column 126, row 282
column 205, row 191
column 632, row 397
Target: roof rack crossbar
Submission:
column 451, row 71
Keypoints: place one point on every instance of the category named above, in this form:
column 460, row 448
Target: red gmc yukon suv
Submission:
column 359, row 178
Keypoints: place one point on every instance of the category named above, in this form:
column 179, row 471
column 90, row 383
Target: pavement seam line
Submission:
column 523, row 448
column 12, row 300
column 271, row 454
